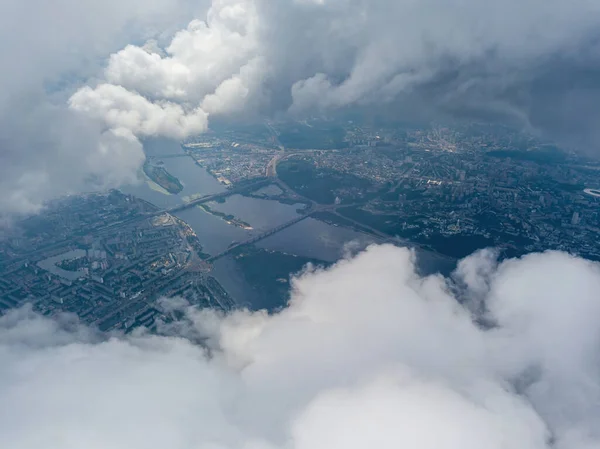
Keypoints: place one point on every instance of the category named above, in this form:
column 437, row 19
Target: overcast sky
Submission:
column 368, row 354
column 84, row 81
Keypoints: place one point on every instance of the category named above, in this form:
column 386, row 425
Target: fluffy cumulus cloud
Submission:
column 73, row 153
column 47, row 149
column 510, row 58
column 368, row 353
column 211, row 67
column 122, row 109
column 531, row 61
column 135, row 66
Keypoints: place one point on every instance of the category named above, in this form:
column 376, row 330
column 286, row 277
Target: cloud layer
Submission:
column 132, row 68
column 368, row 353
column 310, row 56
column 47, row 50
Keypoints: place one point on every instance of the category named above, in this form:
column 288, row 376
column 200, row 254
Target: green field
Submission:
column 163, row 178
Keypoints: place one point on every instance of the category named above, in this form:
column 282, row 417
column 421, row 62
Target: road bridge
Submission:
column 312, row 210
column 259, row 237
column 167, row 156
column 212, row 197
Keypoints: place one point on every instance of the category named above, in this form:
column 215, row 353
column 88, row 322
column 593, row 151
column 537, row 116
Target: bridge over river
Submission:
column 167, row 156
column 313, row 208
column 259, row 237
column 212, row 197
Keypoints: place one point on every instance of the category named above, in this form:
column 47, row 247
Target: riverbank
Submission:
column 160, row 176
column 228, row 218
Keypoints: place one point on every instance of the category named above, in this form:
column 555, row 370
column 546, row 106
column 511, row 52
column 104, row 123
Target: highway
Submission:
column 271, row 172
column 271, row 169
column 311, row 210
column 211, row 197
column 168, row 156
column 275, row 135
column 259, row 237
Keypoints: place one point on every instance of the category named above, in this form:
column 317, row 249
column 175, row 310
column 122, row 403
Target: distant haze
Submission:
column 84, row 82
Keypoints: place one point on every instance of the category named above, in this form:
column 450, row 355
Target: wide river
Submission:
column 308, row 238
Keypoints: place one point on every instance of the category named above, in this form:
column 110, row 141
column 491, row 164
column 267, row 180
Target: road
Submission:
column 311, row 210
column 314, row 207
column 167, row 156
column 211, row 197
column 271, row 170
column 259, row 237
column 275, row 135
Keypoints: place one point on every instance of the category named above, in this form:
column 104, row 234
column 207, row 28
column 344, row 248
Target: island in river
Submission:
column 228, row 218
column 157, row 173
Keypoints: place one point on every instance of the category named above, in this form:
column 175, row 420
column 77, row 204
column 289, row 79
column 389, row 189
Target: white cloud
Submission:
column 51, row 151
column 117, row 159
column 119, row 108
column 208, row 66
column 368, row 353
column 47, row 47
column 306, row 56
column 260, row 56
column 197, row 60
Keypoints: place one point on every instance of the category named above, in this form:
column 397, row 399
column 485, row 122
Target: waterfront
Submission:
column 308, row 240
column 195, row 179
column 312, row 240
column 318, row 240
column 214, row 234
column 261, row 214
column 50, row 264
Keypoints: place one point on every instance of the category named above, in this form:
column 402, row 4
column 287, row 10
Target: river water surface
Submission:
column 309, row 238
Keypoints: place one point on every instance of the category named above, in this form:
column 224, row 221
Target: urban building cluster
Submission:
column 109, row 258
column 106, row 258
column 229, row 160
column 501, row 188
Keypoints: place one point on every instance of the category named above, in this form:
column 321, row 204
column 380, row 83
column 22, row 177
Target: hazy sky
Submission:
column 368, row 354
column 84, row 81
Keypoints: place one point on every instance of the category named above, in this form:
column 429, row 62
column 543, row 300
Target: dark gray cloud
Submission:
column 513, row 59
